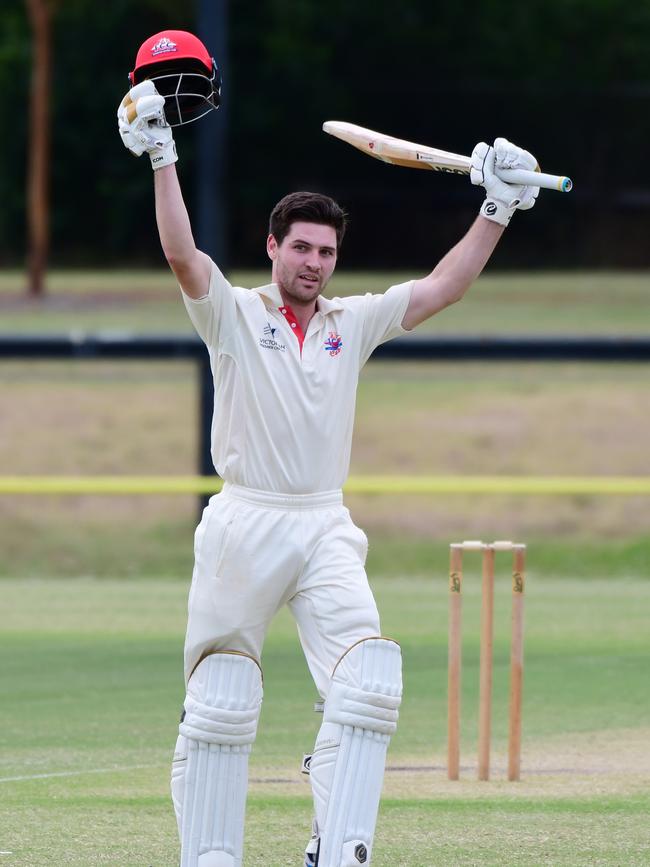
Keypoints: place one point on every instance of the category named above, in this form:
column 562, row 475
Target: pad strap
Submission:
column 372, row 711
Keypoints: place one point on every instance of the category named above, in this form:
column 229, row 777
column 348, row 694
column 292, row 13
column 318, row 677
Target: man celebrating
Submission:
column 283, row 356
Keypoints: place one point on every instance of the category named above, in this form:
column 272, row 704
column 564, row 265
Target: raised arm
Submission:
column 455, row 273
column 143, row 128
column 191, row 266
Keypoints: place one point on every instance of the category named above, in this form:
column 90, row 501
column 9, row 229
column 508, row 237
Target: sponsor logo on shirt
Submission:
column 333, row 344
column 269, row 341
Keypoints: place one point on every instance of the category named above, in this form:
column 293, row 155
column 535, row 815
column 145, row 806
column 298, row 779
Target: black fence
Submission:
column 162, row 347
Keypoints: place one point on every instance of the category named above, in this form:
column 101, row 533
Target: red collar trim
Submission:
column 290, row 316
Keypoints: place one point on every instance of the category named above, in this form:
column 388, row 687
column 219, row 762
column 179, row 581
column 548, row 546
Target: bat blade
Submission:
column 415, row 156
column 397, row 151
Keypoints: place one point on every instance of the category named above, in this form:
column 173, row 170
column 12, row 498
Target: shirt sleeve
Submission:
column 383, row 316
column 213, row 316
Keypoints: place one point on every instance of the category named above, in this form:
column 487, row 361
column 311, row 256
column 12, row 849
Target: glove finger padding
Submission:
column 482, row 173
column 479, row 155
column 147, row 109
column 141, row 112
column 143, row 127
column 528, row 198
column 142, row 132
column 510, row 156
column 128, row 139
column 145, row 88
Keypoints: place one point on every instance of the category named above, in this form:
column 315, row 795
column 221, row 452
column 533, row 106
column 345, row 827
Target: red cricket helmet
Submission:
column 184, row 73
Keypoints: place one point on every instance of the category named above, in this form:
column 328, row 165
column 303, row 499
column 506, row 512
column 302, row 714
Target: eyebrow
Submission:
column 309, row 244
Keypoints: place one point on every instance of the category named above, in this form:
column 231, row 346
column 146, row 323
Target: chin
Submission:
column 307, row 294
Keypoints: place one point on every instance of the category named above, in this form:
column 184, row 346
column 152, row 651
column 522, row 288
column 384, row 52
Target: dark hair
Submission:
column 307, row 208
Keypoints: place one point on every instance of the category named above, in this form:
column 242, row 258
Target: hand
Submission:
column 142, row 125
column 502, row 199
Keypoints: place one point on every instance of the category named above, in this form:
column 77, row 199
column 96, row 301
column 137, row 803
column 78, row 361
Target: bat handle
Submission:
column 537, row 179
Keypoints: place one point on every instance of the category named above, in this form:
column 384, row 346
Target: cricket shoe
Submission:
column 313, row 847
column 311, row 855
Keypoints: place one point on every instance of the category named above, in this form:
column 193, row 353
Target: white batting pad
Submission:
column 179, row 764
column 222, row 707
column 347, row 767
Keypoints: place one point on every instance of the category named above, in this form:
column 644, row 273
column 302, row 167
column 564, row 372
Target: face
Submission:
column 304, row 261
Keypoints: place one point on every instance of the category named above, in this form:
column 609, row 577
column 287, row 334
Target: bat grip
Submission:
column 536, row 179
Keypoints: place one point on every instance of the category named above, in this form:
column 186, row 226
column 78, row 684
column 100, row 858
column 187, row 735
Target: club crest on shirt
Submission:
column 268, row 341
column 333, row 344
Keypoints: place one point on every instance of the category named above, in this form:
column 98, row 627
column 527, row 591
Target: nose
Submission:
column 313, row 261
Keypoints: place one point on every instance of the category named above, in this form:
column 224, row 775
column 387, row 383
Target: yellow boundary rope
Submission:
column 551, row 485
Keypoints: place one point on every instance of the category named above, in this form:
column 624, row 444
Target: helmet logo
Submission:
column 163, row 46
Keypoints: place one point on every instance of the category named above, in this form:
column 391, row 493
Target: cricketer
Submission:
column 286, row 361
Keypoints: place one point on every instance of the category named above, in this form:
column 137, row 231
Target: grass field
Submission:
column 92, row 674
column 93, row 591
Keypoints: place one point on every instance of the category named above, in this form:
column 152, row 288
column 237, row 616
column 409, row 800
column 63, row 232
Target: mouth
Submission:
column 309, row 278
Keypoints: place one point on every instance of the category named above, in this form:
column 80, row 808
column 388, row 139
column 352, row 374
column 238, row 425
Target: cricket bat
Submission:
column 416, row 156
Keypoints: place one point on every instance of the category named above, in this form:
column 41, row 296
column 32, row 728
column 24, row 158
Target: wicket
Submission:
column 485, row 677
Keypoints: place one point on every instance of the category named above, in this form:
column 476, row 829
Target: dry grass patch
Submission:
column 611, row 763
column 137, row 418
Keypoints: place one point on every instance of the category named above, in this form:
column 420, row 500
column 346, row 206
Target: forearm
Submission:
column 456, row 271
column 191, row 266
column 172, row 218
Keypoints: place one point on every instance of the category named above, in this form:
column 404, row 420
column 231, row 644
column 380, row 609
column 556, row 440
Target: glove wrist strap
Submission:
column 164, row 156
column 496, row 211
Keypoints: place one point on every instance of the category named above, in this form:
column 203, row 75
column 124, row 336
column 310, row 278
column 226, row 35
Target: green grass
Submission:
column 92, row 678
column 162, row 551
column 566, row 302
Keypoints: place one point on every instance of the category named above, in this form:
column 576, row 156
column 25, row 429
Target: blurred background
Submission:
column 568, row 80
column 79, row 251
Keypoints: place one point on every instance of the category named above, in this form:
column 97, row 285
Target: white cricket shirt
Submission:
column 284, row 401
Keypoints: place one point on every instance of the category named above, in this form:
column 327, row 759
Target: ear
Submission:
column 271, row 247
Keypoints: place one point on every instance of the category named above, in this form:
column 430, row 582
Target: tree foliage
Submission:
column 565, row 78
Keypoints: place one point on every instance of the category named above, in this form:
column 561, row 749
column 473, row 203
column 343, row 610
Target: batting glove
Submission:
column 142, row 125
column 502, row 199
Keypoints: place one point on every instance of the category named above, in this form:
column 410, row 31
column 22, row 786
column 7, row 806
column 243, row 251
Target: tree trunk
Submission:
column 38, row 204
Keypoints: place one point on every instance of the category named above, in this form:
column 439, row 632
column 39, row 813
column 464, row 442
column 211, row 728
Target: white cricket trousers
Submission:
column 255, row 551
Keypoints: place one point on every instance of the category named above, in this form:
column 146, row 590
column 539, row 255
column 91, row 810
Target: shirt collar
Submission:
column 271, row 292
